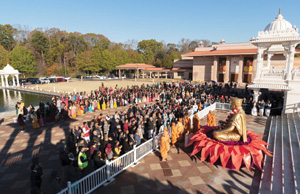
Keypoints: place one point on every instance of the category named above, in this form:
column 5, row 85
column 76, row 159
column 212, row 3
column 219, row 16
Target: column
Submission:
column 120, row 76
column 240, row 75
column 13, row 79
column 143, row 73
column 150, row 74
column 254, row 67
column 291, row 62
column 270, row 55
column 137, row 73
column 6, row 81
column 260, row 62
column 18, row 83
column 214, row 75
column 226, row 76
column 4, row 96
column 2, row 81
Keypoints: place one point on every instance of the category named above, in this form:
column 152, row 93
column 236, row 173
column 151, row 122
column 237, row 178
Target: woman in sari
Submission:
column 35, row 121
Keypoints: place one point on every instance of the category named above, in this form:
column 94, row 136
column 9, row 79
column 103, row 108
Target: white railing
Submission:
column 144, row 149
column 212, row 107
column 112, row 168
column 275, row 72
column 296, row 74
column 204, row 112
column 223, row 106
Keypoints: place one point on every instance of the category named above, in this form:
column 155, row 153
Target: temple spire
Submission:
column 279, row 14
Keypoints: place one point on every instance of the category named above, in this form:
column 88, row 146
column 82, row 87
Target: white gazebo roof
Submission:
column 278, row 30
column 9, row 70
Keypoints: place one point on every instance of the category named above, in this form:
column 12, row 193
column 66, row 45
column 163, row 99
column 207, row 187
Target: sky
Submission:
column 163, row 20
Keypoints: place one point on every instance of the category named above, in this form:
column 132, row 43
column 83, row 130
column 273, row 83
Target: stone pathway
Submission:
column 179, row 173
column 18, row 148
column 182, row 174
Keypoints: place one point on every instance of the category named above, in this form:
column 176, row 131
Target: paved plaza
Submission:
column 180, row 173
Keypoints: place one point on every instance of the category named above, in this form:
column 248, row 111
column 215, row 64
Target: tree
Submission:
column 193, row 45
column 4, row 58
column 6, row 36
column 150, row 48
column 183, row 45
column 39, row 42
column 85, row 61
column 108, row 61
column 22, row 59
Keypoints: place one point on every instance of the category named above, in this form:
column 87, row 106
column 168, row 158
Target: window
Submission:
column 181, row 74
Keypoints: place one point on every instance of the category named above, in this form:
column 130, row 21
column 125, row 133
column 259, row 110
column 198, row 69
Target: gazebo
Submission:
column 133, row 66
column 280, row 36
column 9, row 71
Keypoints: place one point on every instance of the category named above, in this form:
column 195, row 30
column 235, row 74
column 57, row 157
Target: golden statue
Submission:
column 211, row 119
column 235, row 126
column 196, row 123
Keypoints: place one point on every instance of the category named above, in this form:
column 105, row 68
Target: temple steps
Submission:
column 281, row 173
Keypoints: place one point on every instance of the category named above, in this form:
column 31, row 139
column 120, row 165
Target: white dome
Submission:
column 279, row 24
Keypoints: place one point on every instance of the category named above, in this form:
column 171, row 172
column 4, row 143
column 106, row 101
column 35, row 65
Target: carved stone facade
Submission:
column 278, row 37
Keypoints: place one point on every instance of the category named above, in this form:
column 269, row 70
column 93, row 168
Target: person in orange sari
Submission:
column 80, row 110
column 211, row 119
column 187, row 124
column 73, row 111
column 174, row 134
column 180, row 129
column 164, row 144
column 196, row 123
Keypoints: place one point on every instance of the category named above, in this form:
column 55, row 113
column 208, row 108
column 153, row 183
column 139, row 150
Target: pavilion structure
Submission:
column 9, row 71
column 135, row 67
column 278, row 37
column 150, row 71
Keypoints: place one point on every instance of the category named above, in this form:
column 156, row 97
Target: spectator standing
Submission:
column 268, row 108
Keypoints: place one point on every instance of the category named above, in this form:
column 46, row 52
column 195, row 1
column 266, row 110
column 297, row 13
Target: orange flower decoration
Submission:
column 239, row 154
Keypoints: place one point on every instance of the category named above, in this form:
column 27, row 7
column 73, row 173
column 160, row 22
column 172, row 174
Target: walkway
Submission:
column 182, row 174
column 17, row 150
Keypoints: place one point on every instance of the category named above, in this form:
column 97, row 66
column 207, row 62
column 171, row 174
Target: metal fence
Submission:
column 112, row 168
column 223, row 106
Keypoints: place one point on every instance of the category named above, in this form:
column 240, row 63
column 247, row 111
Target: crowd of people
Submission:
column 148, row 110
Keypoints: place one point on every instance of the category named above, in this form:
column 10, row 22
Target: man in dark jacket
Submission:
column 36, row 176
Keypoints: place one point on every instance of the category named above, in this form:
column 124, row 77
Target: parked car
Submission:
column 34, row 80
column 23, row 81
column 67, row 78
column 61, row 79
column 44, row 80
column 52, row 80
column 78, row 76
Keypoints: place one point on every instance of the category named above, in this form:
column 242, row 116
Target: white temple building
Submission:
column 280, row 36
column 9, row 71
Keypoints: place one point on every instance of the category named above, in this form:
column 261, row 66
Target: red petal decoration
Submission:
column 257, row 159
column 247, row 161
column 238, row 153
column 225, row 157
column 205, row 151
column 236, row 160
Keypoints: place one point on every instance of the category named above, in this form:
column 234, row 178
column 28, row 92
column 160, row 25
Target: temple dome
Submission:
column 279, row 24
column 278, row 29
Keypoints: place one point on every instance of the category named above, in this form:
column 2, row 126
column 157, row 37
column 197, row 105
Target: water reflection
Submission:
column 9, row 98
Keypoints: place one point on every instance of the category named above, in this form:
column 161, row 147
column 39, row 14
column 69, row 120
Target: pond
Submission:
column 9, row 99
